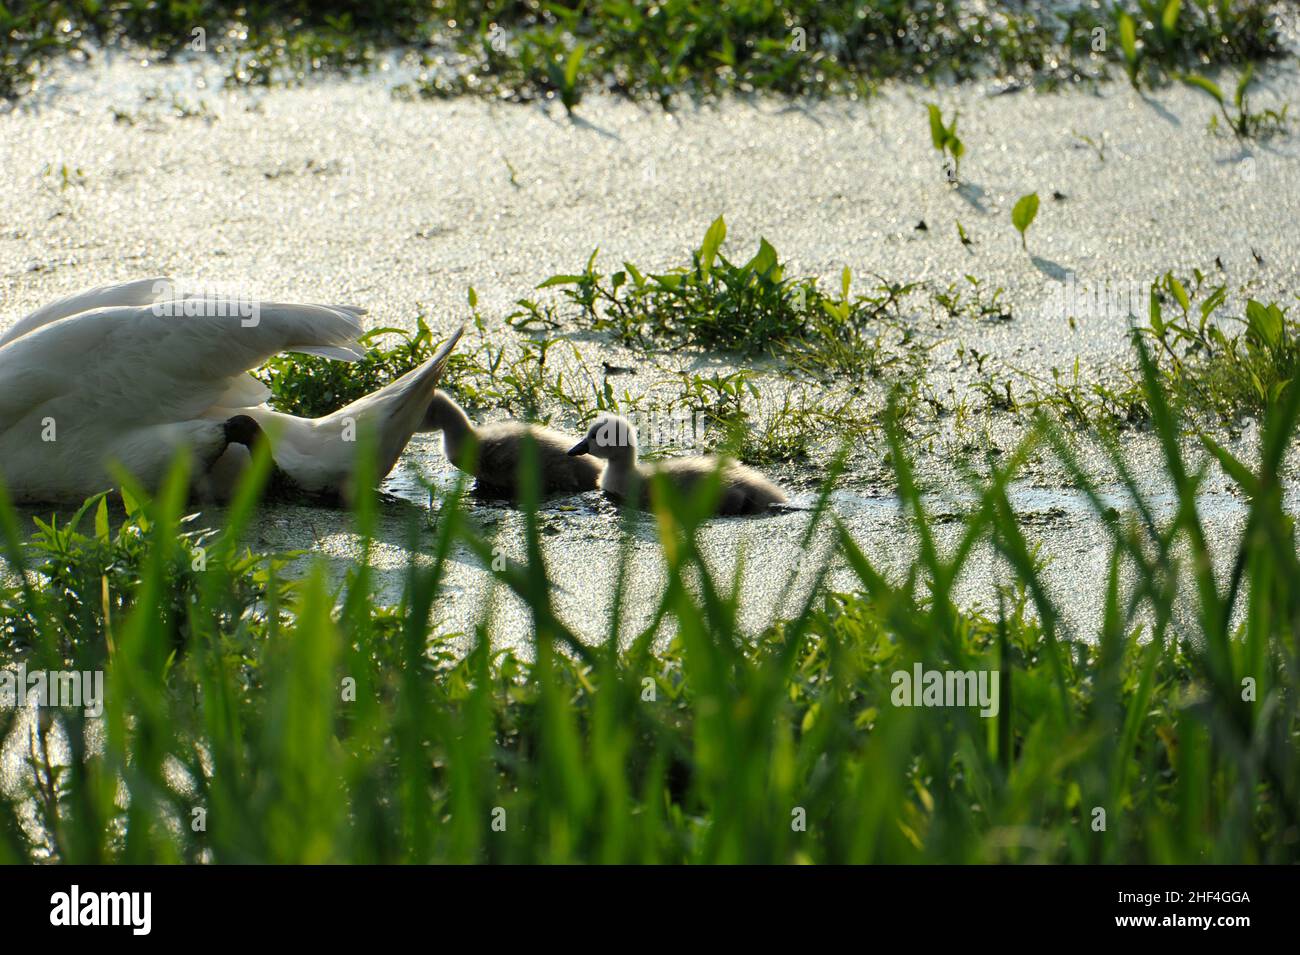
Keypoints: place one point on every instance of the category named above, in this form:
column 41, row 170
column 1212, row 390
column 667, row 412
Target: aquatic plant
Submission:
column 1023, row 214
column 1245, row 124
column 311, row 386
column 1127, row 29
column 1210, row 367
column 1213, row 369
column 749, row 308
column 646, row 50
column 943, row 136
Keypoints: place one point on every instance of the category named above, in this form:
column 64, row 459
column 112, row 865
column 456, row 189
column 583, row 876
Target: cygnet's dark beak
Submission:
column 582, row 447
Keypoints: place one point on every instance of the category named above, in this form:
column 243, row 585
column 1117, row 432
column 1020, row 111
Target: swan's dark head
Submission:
column 242, row 429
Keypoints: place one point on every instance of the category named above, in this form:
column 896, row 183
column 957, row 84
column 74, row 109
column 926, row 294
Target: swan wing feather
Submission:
column 139, row 292
column 131, row 363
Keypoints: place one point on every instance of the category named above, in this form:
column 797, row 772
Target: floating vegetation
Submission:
column 654, row 51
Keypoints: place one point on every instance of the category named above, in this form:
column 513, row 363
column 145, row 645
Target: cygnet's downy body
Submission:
column 492, row 453
column 613, row 439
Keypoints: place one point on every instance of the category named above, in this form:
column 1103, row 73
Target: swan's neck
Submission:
column 620, row 468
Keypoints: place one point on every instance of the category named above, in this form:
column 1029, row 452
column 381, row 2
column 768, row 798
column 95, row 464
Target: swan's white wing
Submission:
column 148, row 292
column 244, row 392
column 131, row 364
column 140, row 292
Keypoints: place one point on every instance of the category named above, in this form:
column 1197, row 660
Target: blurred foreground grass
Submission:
column 298, row 724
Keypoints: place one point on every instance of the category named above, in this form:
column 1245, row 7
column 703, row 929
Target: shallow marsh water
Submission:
column 337, row 191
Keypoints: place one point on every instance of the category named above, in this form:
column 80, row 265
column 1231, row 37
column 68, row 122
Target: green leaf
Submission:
column 1157, row 321
column 766, row 259
column 1264, row 324
column 712, row 242
column 938, row 134
column 561, row 280
column 1169, row 18
column 1244, row 82
column 572, row 64
column 1214, row 301
column 1246, row 480
column 835, row 310
column 130, row 503
column 1128, row 37
column 101, row 519
column 1205, row 84
column 1259, row 386
column 376, row 333
column 1024, row 213
column 1180, row 293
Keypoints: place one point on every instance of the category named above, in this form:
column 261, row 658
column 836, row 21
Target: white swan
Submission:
column 132, row 373
column 744, row 490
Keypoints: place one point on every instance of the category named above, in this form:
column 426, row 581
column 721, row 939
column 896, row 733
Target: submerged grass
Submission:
column 247, row 719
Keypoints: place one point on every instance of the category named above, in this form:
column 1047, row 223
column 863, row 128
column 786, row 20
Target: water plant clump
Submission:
column 1221, row 370
column 652, row 51
column 1245, row 123
column 1214, row 369
column 312, row 386
column 750, row 308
